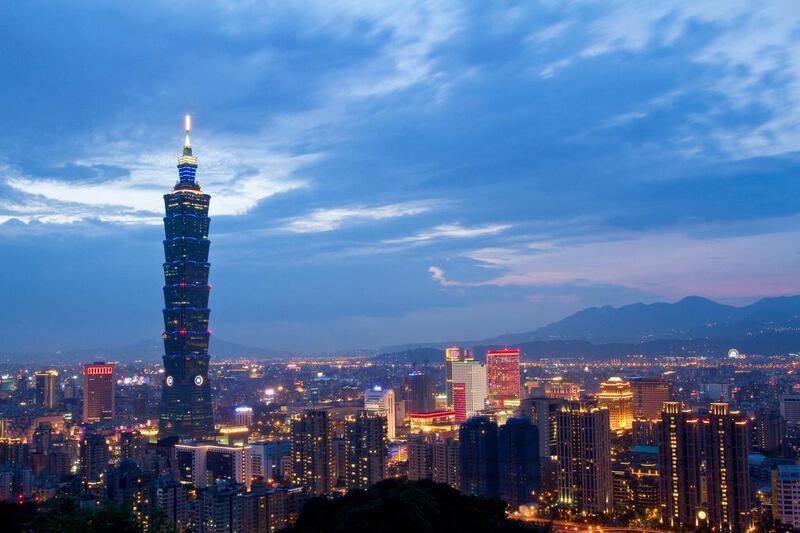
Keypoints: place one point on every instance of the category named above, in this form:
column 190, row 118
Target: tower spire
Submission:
column 187, row 143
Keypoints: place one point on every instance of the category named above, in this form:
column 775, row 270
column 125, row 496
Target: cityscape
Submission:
column 371, row 379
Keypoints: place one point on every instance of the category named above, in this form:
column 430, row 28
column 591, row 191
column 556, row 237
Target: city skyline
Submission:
column 443, row 173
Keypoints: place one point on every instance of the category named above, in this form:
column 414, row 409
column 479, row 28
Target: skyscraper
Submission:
column 46, row 388
column 584, row 459
column 420, row 393
column 382, row 401
column 452, row 355
column 478, row 457
column 518, row 462
column 472, row 375
column 366, row 445
column 616, row 395
column 186, row 395
column 98, row 392
column 312, row 453
column 786, row 495
column 679, row 450
column 726, row 453
column 502, row 376
column 649, row 395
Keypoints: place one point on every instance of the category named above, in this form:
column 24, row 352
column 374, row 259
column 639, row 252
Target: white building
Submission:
column 379, row 400
column 204, row 464
column 473, row 375
column 786, row 495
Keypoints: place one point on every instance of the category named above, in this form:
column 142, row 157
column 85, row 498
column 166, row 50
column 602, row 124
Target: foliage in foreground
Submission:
column 395, row 506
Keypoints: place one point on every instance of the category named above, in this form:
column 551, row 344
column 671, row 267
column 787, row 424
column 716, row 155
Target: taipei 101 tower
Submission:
column 186, row 409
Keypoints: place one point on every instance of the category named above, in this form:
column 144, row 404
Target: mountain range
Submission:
column 691, row 326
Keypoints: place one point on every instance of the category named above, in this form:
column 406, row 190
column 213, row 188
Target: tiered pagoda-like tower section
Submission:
column 186, row 409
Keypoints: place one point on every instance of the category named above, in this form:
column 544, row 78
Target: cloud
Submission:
column 237, row 179
column 450, row 231
column 670, row 264
column 322, row 220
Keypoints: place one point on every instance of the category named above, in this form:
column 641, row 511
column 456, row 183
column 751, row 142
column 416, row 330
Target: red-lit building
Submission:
column 98, row 392
column 460, row 401
column 502, row 376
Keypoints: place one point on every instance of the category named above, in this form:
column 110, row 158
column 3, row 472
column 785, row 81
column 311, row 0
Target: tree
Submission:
column 395, row 506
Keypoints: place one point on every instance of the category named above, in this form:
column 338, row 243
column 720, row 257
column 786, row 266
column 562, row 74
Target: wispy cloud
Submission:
column 450, row 231
column 322, row 220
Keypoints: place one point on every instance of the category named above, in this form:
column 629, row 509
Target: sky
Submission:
column 394, row 172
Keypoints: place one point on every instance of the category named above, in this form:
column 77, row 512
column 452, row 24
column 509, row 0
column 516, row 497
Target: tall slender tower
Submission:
column 186, row 398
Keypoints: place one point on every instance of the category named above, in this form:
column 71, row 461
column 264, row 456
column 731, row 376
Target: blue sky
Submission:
column 389, row 172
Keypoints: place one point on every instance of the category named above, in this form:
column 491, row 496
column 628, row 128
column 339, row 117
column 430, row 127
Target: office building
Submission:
column 452, row 354
column 726, row 444
column 478, row 470
column 365, row 448
column 584, row 459
column 649, row 395
column 98, row 392
column 383, row 401
column 558, row 389
column 616, row 396
column 203, row 465
column 471, row 380
column 243, row 416
column 312, row 452
column 186, row 409
column 786, row 495
column 46, row 382
column 518, row 462
column 419, row 392
column 679, row 446
column 503, row 376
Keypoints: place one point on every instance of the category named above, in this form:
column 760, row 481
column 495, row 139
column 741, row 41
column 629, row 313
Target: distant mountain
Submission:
column 691, row 318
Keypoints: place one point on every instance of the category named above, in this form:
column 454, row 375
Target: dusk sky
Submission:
column 386, row 173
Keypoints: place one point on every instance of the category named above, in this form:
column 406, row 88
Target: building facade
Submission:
column 312, row 452
column 98, row 392
column 473, row 392
column 503, row 376
column 616, row 395
column 186, row 409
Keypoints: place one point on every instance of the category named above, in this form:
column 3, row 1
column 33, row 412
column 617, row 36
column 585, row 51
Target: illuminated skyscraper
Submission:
column 679, row 449
column 584, row 459
column 366, row 444
column 503, row 377
column 382, row 401
column 186, row 395
column 452, row 355
column 469, row 388
column 243, row 416
column 616, row 395
column 312, row 452
column 46, row 388
column 649, row 395
column 98, row 392
column 726, row 453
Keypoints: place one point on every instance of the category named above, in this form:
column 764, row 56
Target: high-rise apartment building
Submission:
column 435, row 457
column 46, row 382
column 419, row 392
column 769, row 432
column 312, row 452
column 98, row 392
column 472, row 393
column 382, row 401
column 786, row 495
column 186, row 409
column 94, row 457
column 366, row 445
column 478, row 457
column 203, row 465
column 584, row 459
column 649, row 395
column 727, row 445
column 790, row 409
column 503, row 376
column 616, row 395
column 679, row 447
column 518, row 462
